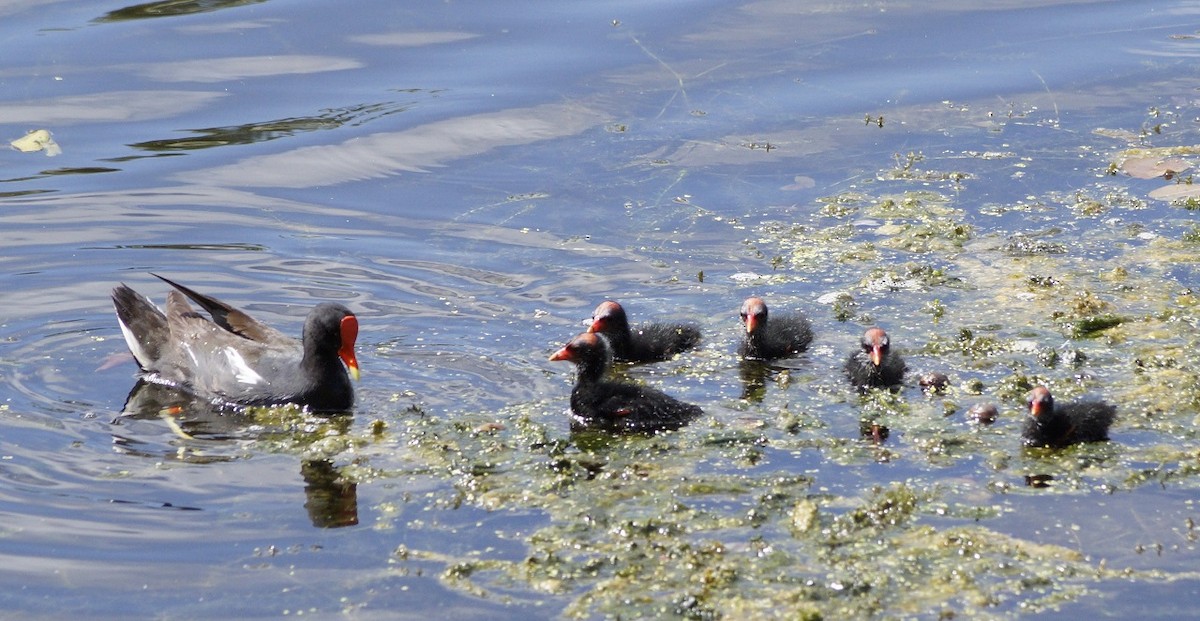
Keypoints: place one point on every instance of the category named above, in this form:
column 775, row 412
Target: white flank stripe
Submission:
column 191, row 354
column 243, row 372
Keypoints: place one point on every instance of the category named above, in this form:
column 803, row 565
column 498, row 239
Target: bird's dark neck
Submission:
column 620, row 338
column 592, row 369
column 317, row 360
column 755, row 340
column 324, row 383
column 1051, row 422
column 319, row 366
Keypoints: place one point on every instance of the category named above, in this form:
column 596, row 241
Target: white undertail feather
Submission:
column 135, row 346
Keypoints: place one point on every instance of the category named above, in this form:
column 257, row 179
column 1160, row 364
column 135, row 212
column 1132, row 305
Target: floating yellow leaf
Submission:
column 37, row 140
column 1177, row 192
column 1151, row 167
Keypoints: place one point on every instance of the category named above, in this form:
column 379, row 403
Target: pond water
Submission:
column 472, row 178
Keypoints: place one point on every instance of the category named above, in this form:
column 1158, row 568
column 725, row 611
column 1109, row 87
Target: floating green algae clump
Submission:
column 919, row 221
column 779, row 501
column 633, row 535
column 1092, row 325
column 758, row 508
column 914, row 224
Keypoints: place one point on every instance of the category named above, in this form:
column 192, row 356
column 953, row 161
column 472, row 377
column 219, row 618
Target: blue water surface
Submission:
column 472, row 178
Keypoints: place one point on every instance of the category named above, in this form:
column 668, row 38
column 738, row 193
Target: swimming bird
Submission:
column 1054, row 426
column 600, row 403
column 648, row 342
column 875, row 364
column 231, row 358
column 783, row 336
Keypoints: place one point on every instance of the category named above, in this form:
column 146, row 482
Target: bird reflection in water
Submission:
column 198, row 428
column 331, row 500
column 754, row 375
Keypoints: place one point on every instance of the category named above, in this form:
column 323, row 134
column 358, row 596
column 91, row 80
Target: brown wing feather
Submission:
column 232, row 319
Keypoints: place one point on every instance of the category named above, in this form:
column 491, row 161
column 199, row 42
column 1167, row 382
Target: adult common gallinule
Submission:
column 618, row 406
column 233, row 358
column 781, row 337
column 648, row 342
column 875, row 364
column 1054, row 426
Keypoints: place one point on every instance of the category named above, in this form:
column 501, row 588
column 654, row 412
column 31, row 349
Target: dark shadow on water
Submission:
column 1060, row 467
column 233, row 247
column 82, row 170
column 873, row 432
column 330, row 500
column 170, row 8
column 265, row 131
column 1038, row 480
column 601, row 441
